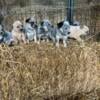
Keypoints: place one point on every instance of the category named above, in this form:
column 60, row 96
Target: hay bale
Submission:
column 31, row 71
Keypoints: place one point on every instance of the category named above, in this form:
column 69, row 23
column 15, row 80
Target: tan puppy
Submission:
column 18, row 33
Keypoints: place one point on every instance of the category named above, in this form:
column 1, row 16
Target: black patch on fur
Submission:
column 42, row 23
column 68, row 32
column 59, row 25
column 71, row 38
column 28, row 20
column 32, row 23
column 76, row 24
column 52, row 26
column 36, row 26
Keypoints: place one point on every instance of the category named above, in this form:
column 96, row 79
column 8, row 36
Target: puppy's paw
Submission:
column 27, row 41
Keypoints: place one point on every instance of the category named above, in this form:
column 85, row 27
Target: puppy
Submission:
column 18, row 33
column 77, row 31
column 30, row 29
column 62, row 32
column 5, row 36
column 45, row 30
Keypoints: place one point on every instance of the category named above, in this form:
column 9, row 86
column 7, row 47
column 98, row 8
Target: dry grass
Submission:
column 32, row 72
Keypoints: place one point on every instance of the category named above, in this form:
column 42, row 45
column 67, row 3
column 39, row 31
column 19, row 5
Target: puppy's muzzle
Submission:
column 32, row 24
column 45, row 28
column 22, row 30
column 68, row 32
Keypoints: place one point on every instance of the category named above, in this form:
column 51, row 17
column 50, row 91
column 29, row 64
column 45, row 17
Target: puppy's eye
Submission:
column 18, row 27
column 32, row 22
column 49, row 24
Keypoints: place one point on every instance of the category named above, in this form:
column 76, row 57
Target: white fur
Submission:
column 30, row 32
column 77, row 31
column 17, row 34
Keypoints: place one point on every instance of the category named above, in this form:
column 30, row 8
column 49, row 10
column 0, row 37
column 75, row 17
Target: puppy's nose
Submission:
column 32, row 23
column 68, row 32
column 21, row 30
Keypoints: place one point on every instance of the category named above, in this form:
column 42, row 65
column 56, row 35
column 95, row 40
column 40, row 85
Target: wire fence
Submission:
column 83, row 12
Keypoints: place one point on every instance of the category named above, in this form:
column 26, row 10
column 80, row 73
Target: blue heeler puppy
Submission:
column 31, row 29
column 62, row 32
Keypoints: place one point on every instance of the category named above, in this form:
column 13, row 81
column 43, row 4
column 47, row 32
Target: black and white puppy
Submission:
column 31, row 29
column 44, row 30
column 62, row 32
column 5, row 36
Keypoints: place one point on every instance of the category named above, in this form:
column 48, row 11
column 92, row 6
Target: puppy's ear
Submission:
column 59, row 25
column 27, row 20
column 42, row 23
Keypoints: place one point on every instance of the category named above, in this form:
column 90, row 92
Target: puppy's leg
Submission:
column 35, row 39
column 57, row 41
column 24, row 39
column 27, row 41
column 47, row 40
column 15, row 40
column 35, row 36
column 64, row 43
column 39, row 39
column 53, row 40
column 81, row 42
